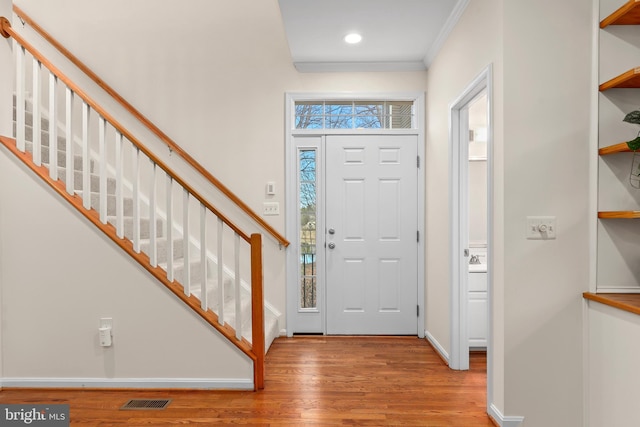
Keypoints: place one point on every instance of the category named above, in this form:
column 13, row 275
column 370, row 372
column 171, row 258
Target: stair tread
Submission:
column 179, row 262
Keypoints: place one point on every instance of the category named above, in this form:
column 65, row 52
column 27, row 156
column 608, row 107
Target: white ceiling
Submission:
column 398, row 35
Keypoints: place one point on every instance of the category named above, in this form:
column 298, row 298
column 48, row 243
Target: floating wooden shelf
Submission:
column 627, row 14
column 630, row 79
column 619, row 215
column 612, row 149
column 626, row 302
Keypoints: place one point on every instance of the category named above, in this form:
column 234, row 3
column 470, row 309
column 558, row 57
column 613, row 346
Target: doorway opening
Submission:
column 355, row 213
column 471, row 227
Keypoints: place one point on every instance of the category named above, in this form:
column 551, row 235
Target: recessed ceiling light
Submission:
column 353, row 38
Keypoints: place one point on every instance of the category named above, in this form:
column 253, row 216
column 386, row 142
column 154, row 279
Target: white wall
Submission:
column 477, row 202
column 60, row 275
column 213, row 75
column 478, row 172
column 547, row 102
column 474, row 44
column 6, row 89
column 614, row 349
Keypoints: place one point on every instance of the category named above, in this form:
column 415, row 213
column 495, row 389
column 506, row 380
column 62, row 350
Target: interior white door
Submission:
column 371, row 241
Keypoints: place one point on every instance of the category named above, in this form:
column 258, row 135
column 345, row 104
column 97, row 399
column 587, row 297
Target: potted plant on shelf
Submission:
column 634, row 145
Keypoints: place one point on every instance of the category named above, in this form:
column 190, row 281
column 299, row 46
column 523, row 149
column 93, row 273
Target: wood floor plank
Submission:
column 315, row 381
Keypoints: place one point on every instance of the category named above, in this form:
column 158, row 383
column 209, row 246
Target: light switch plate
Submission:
column 271, row 208
column 541, row 227
column 271, row 188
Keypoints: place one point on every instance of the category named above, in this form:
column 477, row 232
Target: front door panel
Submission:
column 371, row 244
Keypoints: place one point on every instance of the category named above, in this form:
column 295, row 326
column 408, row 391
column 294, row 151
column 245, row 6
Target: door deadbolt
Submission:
column 332, row 231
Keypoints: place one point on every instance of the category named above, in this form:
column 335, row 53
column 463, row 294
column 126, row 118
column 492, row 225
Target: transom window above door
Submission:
column 327, row 114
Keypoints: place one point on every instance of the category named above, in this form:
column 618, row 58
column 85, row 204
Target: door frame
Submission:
column 459, row 163
column 291, row 211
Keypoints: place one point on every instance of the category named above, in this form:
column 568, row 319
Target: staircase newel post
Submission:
column 257, row 310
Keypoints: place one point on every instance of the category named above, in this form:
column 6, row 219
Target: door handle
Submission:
column 332, row 245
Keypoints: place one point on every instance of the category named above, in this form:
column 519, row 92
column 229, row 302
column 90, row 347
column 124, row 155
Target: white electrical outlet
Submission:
column 104, row 331
column 541, row 227
column 106, row 322
column 271, row 208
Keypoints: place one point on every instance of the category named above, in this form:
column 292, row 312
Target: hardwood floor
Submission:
column 321, row 381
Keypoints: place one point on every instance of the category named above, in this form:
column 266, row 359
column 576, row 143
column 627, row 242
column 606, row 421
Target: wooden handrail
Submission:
column 153, row 128
column 119, row 127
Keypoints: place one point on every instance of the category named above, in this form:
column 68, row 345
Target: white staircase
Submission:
column 161, row 242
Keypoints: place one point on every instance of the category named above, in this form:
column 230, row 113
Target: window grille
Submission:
column 354, row 115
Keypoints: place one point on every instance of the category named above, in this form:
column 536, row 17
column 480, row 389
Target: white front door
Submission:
column 371, row 241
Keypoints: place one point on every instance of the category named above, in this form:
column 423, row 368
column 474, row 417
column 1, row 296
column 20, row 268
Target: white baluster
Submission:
column 169, row 228
column 203, row 256
column 236, row 250
column 86, row 165
column 53, row 128
column 153, row 231
column 220, row 273
column 185, row 239
column 119, row 180
column 69, row 141
column 35, row 113
column 135, row 159
column 102, row 152
column 20, row 98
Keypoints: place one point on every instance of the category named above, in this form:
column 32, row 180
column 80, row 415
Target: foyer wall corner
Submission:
column 474, row 44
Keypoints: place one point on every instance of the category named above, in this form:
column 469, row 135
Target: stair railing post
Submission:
column 257, row 310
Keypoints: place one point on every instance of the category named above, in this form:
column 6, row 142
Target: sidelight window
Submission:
column 307, row 161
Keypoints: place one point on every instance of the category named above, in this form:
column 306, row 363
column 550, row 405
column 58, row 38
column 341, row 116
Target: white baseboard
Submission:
column 504, row 421
column 434, row 342
column 186, row 383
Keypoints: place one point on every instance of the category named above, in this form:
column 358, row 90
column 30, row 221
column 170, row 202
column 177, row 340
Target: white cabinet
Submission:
column 477, row 313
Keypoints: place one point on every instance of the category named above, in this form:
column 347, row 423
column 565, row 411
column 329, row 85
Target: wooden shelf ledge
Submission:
column 627, row 14
column 617, row 148
column 629, row 79
column 619, row 214
column 626, row 302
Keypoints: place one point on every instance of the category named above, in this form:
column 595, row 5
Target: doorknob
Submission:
column 332, row 231
column 332, row 245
